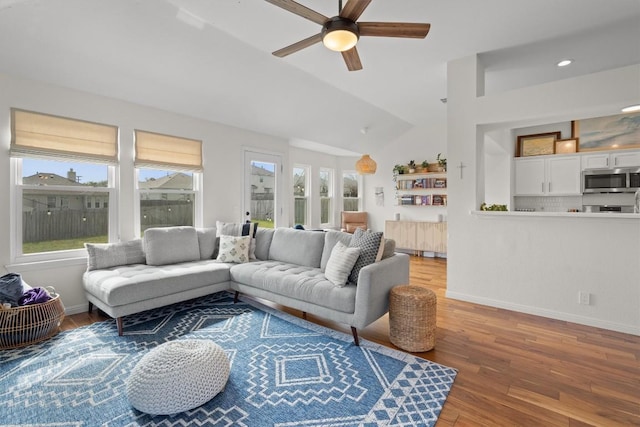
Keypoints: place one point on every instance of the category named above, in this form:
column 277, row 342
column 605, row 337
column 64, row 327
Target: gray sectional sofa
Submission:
column 286, row 266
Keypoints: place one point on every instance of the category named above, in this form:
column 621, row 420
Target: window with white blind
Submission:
column 168, row 176
column 63, row 183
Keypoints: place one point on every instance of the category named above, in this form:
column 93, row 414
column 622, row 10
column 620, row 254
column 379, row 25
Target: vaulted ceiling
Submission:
column 212, row 59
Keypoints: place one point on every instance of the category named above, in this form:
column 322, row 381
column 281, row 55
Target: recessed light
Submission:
column 564, row 62
column 631, row 108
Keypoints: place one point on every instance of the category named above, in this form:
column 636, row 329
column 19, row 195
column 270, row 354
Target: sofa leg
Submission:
column 90, row 310
column 235, row 297
column 304, row 315
column 119, row 323
column 356, row 341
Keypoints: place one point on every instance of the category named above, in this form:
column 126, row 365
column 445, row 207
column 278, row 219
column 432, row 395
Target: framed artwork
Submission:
column 536, row 145
column 616, row 132
column 565, row 146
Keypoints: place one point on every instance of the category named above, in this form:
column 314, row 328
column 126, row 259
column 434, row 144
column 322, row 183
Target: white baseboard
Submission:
column 558, row 315
column 75, row 309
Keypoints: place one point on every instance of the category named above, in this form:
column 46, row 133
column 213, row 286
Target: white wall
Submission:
column 538, row 264
column 420, row 143
column 222, row 156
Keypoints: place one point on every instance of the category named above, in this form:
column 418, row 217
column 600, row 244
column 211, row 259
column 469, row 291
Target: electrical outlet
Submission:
column 584, row 298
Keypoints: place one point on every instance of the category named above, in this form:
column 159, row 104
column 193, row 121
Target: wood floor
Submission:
column 516, row 369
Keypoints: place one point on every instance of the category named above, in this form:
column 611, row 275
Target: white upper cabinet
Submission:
column 620, row 159
column 548, row 176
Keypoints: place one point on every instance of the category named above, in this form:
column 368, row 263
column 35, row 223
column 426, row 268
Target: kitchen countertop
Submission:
column 557, row 214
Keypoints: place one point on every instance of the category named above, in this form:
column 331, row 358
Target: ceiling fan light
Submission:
column 366, row 165
column 340, row 34
column 340, row 40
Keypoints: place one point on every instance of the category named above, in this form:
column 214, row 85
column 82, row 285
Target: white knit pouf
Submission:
column 177, row 376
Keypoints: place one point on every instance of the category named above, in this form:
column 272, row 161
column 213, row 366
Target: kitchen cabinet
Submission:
column 620, row 159
column 420, row 236
column 547, row 176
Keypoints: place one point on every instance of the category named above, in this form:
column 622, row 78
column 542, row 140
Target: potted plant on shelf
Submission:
column 398, row 170
column 412, row 166
column 442, row 162
column 425, row 165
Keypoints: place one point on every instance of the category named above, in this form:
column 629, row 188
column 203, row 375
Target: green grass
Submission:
column 61, row 245
column 64, row 245
column 263, row 223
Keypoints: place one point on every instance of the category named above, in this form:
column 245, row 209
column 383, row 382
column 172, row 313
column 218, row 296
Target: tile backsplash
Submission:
column 565, row 203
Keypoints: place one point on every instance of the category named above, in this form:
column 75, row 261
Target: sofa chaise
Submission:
column 311, row 271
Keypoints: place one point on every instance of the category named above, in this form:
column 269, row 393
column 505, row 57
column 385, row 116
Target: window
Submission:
column 58, row 166
column 168, row 173
column 300, row 194
column 350, row 191
column 326, row 195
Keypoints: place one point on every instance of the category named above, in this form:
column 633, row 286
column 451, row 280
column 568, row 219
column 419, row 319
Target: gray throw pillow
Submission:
column 105, row 255
column 340, row 263
column 170, row 245
column 371, row 245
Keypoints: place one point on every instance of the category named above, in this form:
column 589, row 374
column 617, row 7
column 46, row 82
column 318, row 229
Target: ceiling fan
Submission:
column 341, row 33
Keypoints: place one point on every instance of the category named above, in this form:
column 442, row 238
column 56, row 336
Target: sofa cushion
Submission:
column 341, row 263
column 105, row 255
column 296, row 282
column 264, row 236
column 389, row 248
column 371, row 245
column 297, row 247
column 207, row 242
column 170, row 245
column 132, row 283
column 331, row 237
column 234, row 249
column 239, row 229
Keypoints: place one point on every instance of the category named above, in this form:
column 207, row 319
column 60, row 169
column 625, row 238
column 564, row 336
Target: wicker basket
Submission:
column 412, row 318
column 29, row 324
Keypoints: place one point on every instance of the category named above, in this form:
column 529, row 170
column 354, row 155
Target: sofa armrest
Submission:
column 374, row 284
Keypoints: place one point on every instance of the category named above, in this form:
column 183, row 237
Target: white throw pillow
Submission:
column 340, row 263
column 234, row 249
column 239, row 229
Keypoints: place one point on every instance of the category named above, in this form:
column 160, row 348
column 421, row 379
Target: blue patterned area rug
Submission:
column 284, row 372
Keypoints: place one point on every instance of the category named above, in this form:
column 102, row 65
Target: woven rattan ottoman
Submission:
column 412, row 318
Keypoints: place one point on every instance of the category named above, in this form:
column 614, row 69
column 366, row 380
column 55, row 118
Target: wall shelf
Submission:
column 421, row 189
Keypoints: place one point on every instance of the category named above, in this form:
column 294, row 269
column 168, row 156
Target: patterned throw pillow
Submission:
column 340, row 263
column 234, row 249
column 239, row 229
column 371, row 245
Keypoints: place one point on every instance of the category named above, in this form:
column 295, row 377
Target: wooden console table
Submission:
column 419, row 236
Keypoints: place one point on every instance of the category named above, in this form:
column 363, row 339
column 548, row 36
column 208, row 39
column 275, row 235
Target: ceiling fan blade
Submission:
column 394, row 29
column 298, row 46
column 300, row 10
column 354, row 8
column 352, row 59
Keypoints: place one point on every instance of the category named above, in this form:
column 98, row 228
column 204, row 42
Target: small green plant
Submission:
column 424, row 164
column 412, row 164
column 398, row 169
column 485, row 207
column 442, row 161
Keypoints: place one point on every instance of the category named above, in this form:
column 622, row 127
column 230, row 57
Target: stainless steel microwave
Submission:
column 621, row 180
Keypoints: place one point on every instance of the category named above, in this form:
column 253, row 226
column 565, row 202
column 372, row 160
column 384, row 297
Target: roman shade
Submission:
column 36, row 134
column 172, row 152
